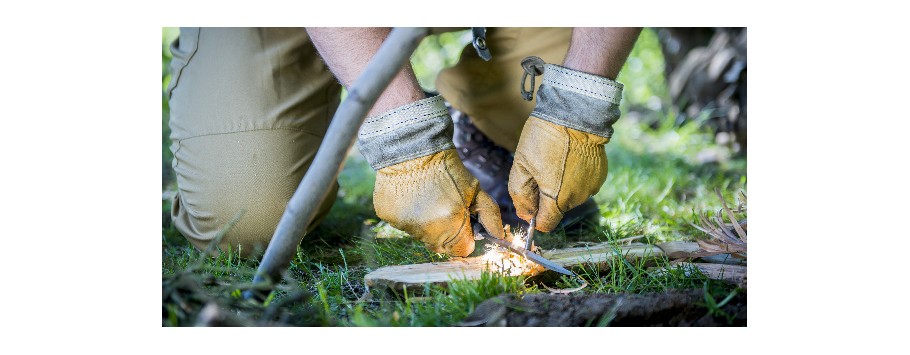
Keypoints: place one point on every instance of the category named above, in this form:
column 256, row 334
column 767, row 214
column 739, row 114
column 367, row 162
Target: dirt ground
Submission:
column 677, row 308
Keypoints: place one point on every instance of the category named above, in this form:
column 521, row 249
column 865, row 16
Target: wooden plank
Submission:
column 691, row 250
column 684, row 250
column 599, row 254
column 735, row 274
column 397, row 276
column 728, row 259
column 471, row 268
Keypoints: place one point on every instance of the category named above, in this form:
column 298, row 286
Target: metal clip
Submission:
column 480, row 43
column 533, row 67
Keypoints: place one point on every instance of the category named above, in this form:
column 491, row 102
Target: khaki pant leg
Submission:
column 249, row 108
column 489, row 91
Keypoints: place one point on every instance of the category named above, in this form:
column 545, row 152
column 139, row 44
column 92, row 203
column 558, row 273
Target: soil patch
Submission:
column 675, row 308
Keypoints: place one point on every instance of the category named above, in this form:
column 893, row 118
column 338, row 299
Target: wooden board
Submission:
column 680, row 250
column 599, row 254
column 419, row 274
column 735, row 274
column 471, row 268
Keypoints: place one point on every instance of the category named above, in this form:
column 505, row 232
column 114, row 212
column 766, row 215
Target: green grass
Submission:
column 658, row 178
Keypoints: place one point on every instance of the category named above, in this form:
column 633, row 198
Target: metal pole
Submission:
column 394, row 52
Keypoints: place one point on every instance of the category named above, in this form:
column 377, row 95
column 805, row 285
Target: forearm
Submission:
column 348, row 50
column 600, row 51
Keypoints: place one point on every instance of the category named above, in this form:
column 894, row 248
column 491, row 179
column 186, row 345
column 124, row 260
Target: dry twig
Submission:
column 725, row 237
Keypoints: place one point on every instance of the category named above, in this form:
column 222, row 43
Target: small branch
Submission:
column 314, row 187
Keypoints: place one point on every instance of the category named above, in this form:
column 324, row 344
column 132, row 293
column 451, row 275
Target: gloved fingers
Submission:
column 463, row 243
column 430, row 241
column 488, row 212
column 524, row 191
column 435, row 248
column 549, row 215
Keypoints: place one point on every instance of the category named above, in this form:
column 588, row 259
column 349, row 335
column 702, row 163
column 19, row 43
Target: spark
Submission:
column 507, row 262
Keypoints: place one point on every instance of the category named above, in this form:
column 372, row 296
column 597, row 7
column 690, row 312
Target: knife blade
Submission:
column 532, row 228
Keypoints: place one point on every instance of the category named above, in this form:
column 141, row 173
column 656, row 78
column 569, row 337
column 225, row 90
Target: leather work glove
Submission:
column 560, row 161
column 421, row 186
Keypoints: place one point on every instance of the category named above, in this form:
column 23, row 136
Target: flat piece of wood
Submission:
column 684, row 250
column 414, row 275
column 599, row 254
column 735, row 274
column 397, row 276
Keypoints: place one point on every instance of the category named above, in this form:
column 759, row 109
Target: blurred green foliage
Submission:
column 168, row 34
column 643, row 75
column 435, row 53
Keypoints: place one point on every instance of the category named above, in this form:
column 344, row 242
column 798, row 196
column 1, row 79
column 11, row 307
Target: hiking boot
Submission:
column 491, row 165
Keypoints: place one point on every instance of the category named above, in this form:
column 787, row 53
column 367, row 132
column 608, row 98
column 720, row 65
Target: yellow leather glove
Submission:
column 556, row 168
column 432, row 198
column 421, row 185
column 560, row 161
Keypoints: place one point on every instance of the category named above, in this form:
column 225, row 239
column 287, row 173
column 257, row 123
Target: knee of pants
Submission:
column 249, row 174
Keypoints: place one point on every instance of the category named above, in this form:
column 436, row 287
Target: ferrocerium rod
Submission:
column 394, row 52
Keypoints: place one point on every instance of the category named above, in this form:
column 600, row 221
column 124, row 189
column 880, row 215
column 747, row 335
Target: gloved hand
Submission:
column 421, row 186
column 560, row 161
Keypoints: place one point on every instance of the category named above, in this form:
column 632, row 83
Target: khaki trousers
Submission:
column 250, row 106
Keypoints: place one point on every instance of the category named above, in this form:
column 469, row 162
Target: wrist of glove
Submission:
column 560, row 161
column 421, row 185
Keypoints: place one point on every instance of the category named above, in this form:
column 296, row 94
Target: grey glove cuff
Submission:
column 578, row 100
column 411, row 131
